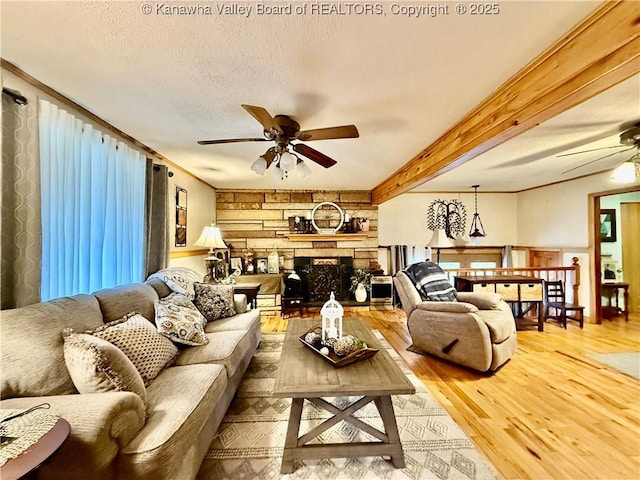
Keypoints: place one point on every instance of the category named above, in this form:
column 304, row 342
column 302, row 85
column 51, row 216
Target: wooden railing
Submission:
column 569, row 276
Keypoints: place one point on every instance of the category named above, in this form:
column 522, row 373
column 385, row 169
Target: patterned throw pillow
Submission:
column 140, row 341
column 179, row 279
column 214, row 300
column 179, row 321
column 431, row 281
column 96, row 365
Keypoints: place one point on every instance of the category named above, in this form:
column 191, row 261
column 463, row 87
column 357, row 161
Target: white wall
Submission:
column 403, row 220
column 201, row 211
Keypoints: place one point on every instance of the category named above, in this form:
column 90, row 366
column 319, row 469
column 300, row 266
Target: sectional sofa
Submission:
column 118, row 434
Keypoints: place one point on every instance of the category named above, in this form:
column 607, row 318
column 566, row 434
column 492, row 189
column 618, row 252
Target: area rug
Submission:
column 250, row 440
column 627, row 362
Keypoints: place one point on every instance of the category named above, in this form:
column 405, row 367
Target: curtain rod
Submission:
column 16, row 95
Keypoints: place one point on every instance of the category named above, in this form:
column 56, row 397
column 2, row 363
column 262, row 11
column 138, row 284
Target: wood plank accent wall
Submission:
column 258, row 220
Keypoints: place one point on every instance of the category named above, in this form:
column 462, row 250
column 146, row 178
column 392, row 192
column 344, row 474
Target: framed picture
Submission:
column 236, row 264
column 273, row 263
column 181, row 217
column 609, row 270
column 607, row 225
column 262, row 265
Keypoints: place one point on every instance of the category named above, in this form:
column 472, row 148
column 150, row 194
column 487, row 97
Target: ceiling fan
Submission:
column 283, row 130
column 629, row 140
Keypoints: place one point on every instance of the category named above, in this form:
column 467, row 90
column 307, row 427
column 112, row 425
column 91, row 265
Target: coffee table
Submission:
column 304, row 375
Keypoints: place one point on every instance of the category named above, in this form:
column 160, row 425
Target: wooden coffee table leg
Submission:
column 385, row 407
column 291, row 441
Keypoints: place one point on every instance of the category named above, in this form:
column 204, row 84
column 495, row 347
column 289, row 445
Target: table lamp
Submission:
column 212, row 238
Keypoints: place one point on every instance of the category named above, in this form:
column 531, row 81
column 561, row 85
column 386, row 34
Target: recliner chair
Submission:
column 477, row 331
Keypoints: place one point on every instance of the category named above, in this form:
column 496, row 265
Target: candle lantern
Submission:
column 332, row 313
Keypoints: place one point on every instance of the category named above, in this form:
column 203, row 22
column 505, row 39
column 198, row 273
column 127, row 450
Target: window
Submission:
column 471, row 258
column 93, row 207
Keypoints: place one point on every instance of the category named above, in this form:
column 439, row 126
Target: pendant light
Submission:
column 477, row 232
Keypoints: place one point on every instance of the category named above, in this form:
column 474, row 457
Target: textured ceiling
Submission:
column 169, row 80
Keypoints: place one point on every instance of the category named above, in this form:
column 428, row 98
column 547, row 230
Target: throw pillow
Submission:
column 180, row 322
column 140, row 341
column 179, row 279
column 214, row 300
column 96, row 365
column 431, row 281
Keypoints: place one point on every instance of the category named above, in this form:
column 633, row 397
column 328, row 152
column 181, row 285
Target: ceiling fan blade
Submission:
column 597, row 160
column 313, row 154
column 264, row 117
column 592, row 150
column 231, row 140
column 345, row 131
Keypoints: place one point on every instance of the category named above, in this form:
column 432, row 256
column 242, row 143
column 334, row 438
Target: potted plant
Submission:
column 360, row 284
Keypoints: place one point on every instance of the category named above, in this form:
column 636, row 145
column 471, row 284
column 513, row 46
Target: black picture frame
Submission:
column 262, row 265
column 608, row 225
column 181, row 217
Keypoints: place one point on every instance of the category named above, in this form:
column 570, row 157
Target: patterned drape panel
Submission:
column 21, row 228
column 157, row 218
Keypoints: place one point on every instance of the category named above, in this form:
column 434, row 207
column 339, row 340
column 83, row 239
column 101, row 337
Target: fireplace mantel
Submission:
column 322, row 237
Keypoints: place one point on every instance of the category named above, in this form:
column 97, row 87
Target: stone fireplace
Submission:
column 322, row 275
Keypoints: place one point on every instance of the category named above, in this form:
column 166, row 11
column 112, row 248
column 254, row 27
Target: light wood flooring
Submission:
column 550, row 413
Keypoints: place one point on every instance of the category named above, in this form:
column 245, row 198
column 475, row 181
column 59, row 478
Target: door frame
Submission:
column 595, row 265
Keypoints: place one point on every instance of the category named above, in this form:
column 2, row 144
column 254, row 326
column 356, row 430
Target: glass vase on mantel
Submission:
column 361, row 293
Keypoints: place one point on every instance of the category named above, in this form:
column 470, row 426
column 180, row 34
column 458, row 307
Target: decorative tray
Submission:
column 334, row 359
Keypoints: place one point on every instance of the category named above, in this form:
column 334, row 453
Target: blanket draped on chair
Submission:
column 431, row 281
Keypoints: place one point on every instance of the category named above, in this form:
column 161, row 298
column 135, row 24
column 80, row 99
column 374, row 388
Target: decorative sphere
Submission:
column 324, row 351
column 313, row 338
column 348, row 344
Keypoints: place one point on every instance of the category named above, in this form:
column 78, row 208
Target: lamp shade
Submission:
column 287, row 161
column 302, row 169
column 259, row 166
column 439, row 239
column 210, row 237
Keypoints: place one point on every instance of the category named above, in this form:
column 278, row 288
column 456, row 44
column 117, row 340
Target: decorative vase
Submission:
column 361, row 293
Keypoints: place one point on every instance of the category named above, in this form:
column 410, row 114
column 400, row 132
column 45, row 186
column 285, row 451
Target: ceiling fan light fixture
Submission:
column 278, row 173
column 259, row 166
column 302, row 169
column 287, row 161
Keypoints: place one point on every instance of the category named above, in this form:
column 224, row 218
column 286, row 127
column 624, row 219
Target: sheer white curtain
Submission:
column 93, row 207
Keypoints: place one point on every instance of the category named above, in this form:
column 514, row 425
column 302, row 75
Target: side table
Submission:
column 37, row 453
column 250, row 290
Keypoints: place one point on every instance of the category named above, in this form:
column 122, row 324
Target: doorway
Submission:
column 630, row 220
column 607, row 246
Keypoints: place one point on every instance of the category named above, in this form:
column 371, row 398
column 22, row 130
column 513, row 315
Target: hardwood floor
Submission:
column 551, row 412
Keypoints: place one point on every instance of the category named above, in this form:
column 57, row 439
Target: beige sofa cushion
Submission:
column 31, row 345
column 98, row 366
column 250, row 320
column 117, row 302
column 140, row 341
column 227, row 348
column 176, row 415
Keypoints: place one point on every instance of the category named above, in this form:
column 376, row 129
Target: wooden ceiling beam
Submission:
column 600, row 52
